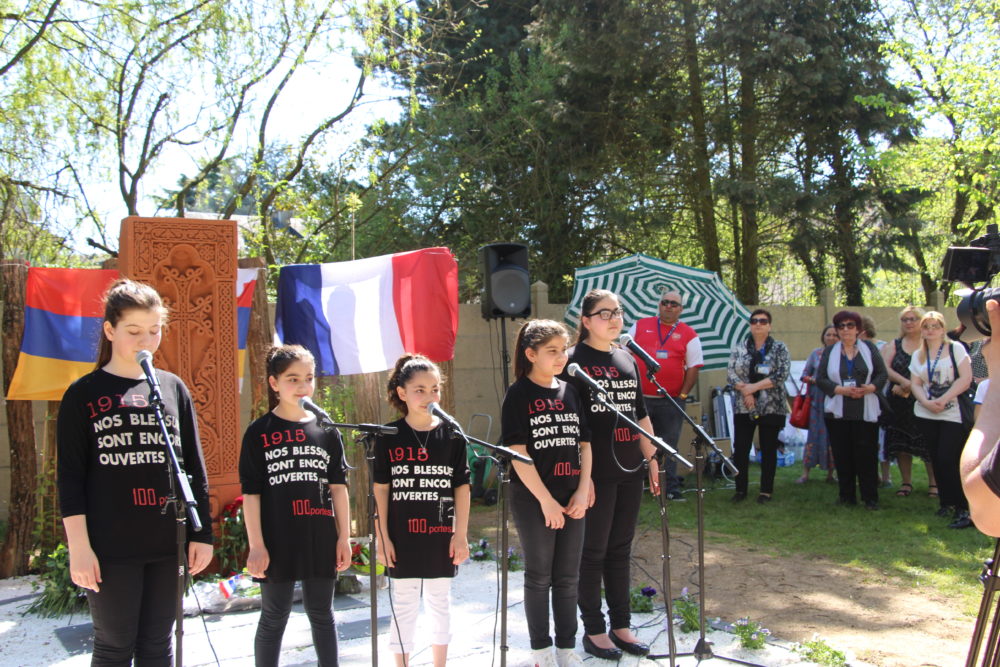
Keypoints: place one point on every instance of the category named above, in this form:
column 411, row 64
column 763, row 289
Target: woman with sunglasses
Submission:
column 620, row 457
column 941, row 371
column 850, row 372
column 758, row 368
column 903, row 440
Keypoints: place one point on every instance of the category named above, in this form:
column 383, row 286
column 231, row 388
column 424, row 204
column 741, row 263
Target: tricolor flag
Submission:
column 246, row 281
column 63, row 313
column 359, row 316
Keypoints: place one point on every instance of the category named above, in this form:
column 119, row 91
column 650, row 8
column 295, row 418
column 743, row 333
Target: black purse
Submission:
column 966, row 400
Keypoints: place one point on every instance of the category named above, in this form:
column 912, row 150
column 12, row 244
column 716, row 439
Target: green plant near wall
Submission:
column 818, row 651
column 231, row 551
column 688, row 611
column 60, row 595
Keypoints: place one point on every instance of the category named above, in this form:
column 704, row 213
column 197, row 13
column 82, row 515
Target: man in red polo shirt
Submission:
column 677, row 348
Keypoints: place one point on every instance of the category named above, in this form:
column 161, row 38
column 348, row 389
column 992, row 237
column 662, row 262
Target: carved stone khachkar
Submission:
column 192, row 264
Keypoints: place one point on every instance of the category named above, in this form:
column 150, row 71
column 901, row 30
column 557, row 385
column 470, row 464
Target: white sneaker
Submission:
column 544, row 657
column 568, row 657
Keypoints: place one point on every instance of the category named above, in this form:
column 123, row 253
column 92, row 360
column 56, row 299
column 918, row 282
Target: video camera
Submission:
column 977, row 263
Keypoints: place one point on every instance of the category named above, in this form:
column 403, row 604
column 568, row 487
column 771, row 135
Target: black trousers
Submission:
column 743, row 427
column 945, row 441
column 551, row 566
column 855, row 452
column 276, row 603
column 133, row 614
column 607, row 550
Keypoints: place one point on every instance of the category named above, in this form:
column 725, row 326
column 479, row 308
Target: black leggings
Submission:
column 276, row 603
column 607, row 550
column 133, row 613
column 551, row 565
column 744, row 426
column 855, row 454
column 945, row 439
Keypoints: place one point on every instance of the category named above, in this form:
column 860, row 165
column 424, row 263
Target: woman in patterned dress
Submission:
column 817, row 450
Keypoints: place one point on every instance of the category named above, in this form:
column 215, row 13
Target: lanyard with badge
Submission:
column 849, row 381
column 660, row 352
column 764, row 367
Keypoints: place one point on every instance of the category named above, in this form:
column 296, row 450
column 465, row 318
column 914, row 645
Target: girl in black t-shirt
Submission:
column 422, row 492
column 543, row 418
column 113, row 481
column 619, row 467
column 295, row 502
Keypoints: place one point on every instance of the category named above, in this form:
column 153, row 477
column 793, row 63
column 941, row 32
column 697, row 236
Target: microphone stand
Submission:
column 185, row 507
column 367, row 439
column 703, row 649
column 503, row 458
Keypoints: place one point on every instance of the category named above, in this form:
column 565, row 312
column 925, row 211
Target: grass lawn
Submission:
column 904, row 539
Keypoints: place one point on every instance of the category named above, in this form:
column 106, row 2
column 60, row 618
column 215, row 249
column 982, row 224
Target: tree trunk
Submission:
column 749, row 285
column 847, row 239
column 259, row 339
column 20, row 432
column 704, row 202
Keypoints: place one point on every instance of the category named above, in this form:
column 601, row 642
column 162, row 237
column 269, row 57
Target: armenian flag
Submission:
column 360, row 316
column 64, row 309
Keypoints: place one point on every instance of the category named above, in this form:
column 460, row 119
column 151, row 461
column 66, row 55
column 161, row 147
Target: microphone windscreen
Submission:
column 573, row 369
column 143, row 355
column 625, row 340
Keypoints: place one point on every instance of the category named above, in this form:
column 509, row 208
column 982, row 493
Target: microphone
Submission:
column 436, row 409
column 651, row 364
column 145, row 359
column 575, row 371
column 306, row 404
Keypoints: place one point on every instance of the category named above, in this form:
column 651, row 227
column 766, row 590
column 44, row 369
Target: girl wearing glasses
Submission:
column 849, row 373
column 757, row 369
column 940, row 371
column 620, row 457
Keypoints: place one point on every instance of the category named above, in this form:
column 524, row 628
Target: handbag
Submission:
column 801, row 408
column 965, row 400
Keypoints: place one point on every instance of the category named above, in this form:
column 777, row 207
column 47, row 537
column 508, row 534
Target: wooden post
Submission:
column 259, row 338
column 51, row 528
column 20, row 431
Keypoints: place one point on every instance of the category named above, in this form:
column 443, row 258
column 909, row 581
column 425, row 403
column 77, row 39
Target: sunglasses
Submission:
column 759, row 320
column 670, row 303
column 847, row 325
column 909, row 319
column 607, row 313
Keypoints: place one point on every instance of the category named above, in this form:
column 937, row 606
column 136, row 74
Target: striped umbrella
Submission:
column 710, row 308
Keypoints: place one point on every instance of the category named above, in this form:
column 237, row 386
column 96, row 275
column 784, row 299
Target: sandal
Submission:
column 932, row 491
column 905, row 489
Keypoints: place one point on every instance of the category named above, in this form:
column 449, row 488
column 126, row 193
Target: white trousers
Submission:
column 405, row 603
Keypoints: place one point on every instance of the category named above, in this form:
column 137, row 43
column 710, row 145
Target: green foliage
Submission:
column 818, row 651
column 751, row 634
column 688, row 612
column 231, row 550
column 641, row 599
column 60, row 596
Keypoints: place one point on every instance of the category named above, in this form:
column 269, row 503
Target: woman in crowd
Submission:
column 758, row 368
column 903, row 440
column 849, row 373
column 620, row 456
column 817, row 450
column 868, row 332
column 940, row 372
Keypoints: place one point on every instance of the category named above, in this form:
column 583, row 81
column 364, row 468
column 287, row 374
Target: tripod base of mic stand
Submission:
column 703, row 651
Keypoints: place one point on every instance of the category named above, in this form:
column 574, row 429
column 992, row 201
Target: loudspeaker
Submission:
column 506, row 288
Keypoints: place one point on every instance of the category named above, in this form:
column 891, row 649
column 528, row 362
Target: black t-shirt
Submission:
column 290, row 465
column 551, row 423
column 990, row 470
column 113, row 463
column 617, row 372
column 422, row 478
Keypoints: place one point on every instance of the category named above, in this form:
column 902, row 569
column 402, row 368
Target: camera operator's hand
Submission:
column 979, row 463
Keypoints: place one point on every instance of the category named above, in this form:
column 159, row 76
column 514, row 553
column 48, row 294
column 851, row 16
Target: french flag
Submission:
column 360, row 316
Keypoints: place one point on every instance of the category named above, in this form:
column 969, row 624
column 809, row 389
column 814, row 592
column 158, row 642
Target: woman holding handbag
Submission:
column 758, row 368
column 817, row 450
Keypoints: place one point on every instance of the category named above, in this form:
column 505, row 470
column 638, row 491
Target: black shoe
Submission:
column 763, row 500
column 871, row 505
column 945, row 511
column 604, row 653
column 738, row 497
column 962, row 520
column 676, row 496
column 635, row 648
